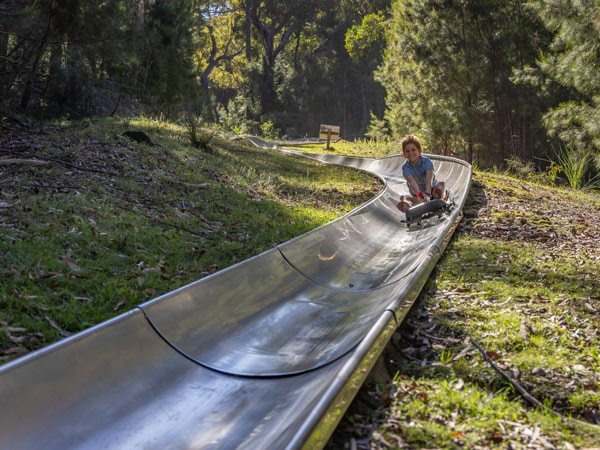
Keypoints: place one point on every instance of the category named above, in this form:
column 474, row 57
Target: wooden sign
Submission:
column 328, row 132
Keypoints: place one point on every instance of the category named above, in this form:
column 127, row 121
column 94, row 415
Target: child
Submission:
column 418, row 171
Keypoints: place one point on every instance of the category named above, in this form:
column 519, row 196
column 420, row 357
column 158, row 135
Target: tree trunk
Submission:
column 36, row 63
column 248, row 29
column 3, row 65
column 499, row 134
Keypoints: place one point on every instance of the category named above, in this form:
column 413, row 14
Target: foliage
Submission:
column 219, row 46
column 248, row 61
column 378, row 129
column 166, row 43
column 572, row 61
column 268, row 130
column 525, row 170
column 197, row 137
column 552, row 171
column 575, row 164
column 86, row 58
column 368, row 37
column 447, row 73
column 314, row 80
column 483, row 80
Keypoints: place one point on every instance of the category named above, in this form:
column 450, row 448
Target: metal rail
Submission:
column 265, row 354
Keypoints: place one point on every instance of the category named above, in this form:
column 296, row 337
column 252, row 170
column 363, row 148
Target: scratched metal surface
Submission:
column 251, row 357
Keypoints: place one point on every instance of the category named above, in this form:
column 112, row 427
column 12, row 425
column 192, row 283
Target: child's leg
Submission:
column 439, row 191
column 405, row 202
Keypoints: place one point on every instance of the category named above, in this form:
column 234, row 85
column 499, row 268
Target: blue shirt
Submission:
column 418, row 172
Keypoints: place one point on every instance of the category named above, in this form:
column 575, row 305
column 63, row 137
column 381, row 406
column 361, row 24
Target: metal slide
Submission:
column 266, row 354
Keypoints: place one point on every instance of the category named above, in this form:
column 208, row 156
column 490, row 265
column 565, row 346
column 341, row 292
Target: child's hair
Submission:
column 410, row 138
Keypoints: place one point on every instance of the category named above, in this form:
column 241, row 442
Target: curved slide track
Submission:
column 266, row 354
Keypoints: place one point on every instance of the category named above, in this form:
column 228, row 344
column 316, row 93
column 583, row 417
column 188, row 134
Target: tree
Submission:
column 219, row 39
column 276, row 23
column 167, row 51
column 73, row 58
column 307, row 77
column 365, row 43
column 448, row 69
column 55, row 51
column 366, row 40
column 573, row 61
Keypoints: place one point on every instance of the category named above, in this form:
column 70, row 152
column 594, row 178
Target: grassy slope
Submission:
column 93, row 224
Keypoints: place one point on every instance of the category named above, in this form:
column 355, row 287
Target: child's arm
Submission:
column 428, row 181
column 412, row 184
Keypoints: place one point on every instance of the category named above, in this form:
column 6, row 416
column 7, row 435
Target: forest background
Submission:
column 495, row 82
column 500, row 83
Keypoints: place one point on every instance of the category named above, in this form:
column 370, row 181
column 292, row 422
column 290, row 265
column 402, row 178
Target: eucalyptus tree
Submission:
column 276, row 24
column 219, row 28
column 365, row 43
column 300, row 73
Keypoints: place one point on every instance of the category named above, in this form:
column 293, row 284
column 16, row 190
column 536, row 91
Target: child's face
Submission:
column 411, row 152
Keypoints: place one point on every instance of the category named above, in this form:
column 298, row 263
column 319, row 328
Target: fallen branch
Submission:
column 521, row 390
column 30, row 162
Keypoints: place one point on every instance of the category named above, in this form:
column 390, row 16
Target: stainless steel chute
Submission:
column 265, row 354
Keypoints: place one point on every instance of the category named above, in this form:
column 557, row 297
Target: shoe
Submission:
column 403, row 205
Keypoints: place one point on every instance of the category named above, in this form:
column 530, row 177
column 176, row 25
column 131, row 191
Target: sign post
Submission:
column 327, row 131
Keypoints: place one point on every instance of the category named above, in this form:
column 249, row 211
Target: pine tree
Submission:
column 573, row 61
column 448, row 70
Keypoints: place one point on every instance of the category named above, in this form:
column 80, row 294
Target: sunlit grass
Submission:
column 81, row 246
column 449, row 413
column 359, row 147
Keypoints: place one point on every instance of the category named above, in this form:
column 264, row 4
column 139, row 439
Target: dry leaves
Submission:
column 553, row 223
column 21, row 341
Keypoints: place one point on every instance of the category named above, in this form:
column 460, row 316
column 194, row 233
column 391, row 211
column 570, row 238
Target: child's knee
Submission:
column 439, row 190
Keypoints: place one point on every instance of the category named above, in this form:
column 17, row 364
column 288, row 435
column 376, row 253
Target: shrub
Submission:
column 574, row 164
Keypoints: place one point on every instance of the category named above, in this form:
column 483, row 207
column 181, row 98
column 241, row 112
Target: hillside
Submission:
column 92, row 224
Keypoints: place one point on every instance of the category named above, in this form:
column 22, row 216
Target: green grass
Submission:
column 449, row 414
column 108, row 223
column 360, row 147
